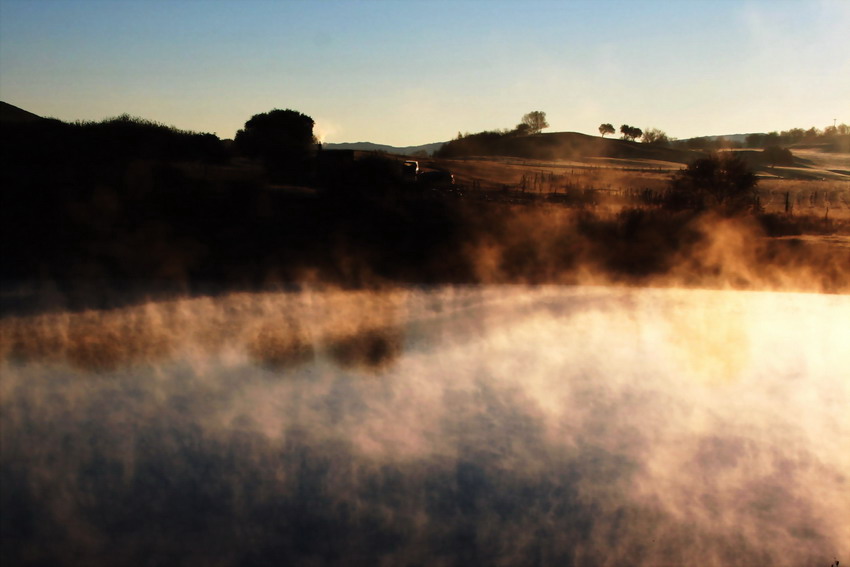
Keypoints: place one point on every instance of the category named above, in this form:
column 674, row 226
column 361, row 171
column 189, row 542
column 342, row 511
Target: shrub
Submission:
column 722, row 182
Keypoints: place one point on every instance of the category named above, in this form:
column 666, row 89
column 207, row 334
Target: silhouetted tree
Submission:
column 630, row 132
column 606, row 129
column 655, row 136
column 722, row 182
column 283, row 139
column 536, row 121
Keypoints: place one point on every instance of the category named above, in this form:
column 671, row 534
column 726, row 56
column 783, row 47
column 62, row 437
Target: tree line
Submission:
column 632, row 133
column 797, row 136
column 813, row 135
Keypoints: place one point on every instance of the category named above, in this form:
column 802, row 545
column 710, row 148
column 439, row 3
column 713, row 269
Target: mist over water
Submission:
column 491, row 425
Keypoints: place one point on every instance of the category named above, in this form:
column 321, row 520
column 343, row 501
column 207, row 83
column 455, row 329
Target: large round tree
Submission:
column 283, row 139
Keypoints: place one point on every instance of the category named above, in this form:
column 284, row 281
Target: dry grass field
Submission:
column 820, row 187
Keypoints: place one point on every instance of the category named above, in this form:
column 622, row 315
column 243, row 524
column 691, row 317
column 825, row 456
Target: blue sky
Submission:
column 408, row 72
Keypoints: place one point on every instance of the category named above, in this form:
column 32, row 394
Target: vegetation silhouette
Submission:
column 534, row 122
column 283, row 139
column 721, row 182
column 558, row 145
column 630, row 132
column 655, row 136
column 115, row 211
column 71, row 188
column 775, row 155
column 832, row 138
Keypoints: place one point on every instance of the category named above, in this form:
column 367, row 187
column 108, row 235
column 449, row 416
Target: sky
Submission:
column 410, row 72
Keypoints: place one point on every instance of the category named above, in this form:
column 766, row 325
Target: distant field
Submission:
column 819, row 185
column 536, row 176
column 827, row 198
column 825, row 160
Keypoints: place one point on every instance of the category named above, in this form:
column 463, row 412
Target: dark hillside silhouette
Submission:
column 557, row 145
column 70, row 189
column 11, row 113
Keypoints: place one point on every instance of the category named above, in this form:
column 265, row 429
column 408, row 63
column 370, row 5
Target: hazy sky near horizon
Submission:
column 409, row 72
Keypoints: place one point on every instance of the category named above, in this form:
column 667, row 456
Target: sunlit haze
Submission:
column 414, row 72
column 451, row 426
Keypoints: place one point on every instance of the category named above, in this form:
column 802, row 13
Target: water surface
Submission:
column 441, row 426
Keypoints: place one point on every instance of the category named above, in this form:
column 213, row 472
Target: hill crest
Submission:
column 559, row 146
column 11, row 113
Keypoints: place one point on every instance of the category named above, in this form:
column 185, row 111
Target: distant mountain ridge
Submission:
column 728, row 137
column 371, row 147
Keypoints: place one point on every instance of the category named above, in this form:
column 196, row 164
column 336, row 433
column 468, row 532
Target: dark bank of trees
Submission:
column 127, row 202
column 832, row 138
column 74, row 193
column 830, row 135
column 52, row 144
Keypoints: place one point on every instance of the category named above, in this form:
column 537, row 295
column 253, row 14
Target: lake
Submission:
column 493, row 425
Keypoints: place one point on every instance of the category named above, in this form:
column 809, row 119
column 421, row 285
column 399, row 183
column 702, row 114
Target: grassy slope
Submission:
column 574, row 150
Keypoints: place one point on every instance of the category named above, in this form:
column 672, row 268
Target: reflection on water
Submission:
column 451, row 426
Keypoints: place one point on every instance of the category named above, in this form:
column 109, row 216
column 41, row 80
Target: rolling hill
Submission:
column 560, row 146
column 11, row 113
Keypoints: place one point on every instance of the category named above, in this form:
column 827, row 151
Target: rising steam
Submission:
column 498, row 425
